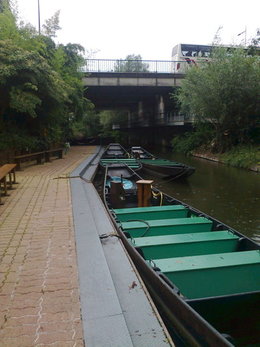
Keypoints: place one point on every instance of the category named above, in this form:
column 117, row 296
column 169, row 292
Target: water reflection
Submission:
column 228, row 194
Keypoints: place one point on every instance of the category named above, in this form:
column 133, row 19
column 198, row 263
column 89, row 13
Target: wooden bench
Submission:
column 7, row 170
column 58, row 152
column 38, row 156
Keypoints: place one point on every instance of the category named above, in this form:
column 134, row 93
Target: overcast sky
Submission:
column 116, row 28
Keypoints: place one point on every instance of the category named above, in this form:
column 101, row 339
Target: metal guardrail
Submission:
column 132, row 66
column 149, row 119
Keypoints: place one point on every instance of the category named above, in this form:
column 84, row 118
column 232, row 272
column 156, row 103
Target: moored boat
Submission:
column 116, row 154
column 115, row 150
column 160, row 166
column 202, row 274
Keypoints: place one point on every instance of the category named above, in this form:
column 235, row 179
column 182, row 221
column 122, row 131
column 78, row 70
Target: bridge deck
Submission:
column 150, row 79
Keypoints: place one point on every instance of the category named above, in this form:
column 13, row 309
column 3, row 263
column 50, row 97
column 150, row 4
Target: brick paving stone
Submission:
column 39, row 289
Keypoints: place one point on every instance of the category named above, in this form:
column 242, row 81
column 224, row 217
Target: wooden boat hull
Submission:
column 177, row 171
column 161, row 167
column 202, row 274
column 114, row 150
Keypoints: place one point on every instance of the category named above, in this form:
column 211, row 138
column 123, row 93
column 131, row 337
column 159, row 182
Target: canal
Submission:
column 228, row 194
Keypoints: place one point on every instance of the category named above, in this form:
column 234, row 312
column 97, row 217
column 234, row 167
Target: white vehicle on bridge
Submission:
column 186, row 55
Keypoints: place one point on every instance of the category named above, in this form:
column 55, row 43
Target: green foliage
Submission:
column 8, row 28
column 41, row 90
column 23, row 101
column 51, row 25
column 110, row 119
column 19, row 140
column 202, row 135
column 254, row 48
column 87, row 126
column 242, row 156
column 132, row 63
column 224, row 93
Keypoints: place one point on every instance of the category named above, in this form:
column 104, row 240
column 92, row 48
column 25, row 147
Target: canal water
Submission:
column 228, row 194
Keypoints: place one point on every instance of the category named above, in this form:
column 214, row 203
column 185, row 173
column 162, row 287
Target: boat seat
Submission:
column 167, row 226
column 130, row 162
column 213, row 274
column 159, row 247
column 161, row 162
column 152, row 212
column 119, row 160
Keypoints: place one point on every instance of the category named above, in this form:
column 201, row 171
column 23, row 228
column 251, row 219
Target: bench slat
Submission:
column 7, row 169
column 151, row 213
column 167, row 226
column 167, row 246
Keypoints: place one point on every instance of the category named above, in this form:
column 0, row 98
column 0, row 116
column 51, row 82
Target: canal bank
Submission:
column 49, row 294
column 215, row 158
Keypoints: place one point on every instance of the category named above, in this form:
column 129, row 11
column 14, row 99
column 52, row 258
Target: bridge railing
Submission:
column 134, row 66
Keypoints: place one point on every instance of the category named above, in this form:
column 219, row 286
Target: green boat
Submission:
column 115, row 150
column 159, row 166
column 114, row 154
column 202, row 274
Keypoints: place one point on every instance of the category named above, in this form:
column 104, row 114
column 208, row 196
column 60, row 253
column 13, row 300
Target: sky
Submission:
column 113, row 29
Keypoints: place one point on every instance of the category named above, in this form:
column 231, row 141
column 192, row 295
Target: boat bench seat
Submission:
column 160, row 162
column 118, row 160
column 167, row 226
column 167, row 246
column 213, row 274
column 130, row 162
column 152, row 212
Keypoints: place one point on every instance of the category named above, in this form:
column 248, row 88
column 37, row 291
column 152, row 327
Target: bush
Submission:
column 17, row 141
column 242, row 156
column 186, row 143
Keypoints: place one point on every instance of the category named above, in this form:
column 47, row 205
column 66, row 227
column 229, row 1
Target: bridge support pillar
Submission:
column 140, row 110
column 160, row 107
column 129, row 121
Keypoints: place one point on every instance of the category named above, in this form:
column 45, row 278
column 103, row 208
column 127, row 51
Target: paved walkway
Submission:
column 39, row 291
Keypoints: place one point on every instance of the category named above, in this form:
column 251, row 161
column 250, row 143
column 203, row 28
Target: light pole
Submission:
column 39, row 18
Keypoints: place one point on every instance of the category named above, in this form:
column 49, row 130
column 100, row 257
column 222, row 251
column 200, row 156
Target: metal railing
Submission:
column 133, row 66
column 151, row 119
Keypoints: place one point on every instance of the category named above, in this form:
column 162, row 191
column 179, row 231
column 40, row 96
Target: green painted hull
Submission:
column 193, row 265
column 204, row 261
column 213, row 275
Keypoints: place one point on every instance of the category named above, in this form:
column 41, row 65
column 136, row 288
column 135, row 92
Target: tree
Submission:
column 51, row 25
column 4, row 4
column 41, row 89
column 254, row 47
column 132, row 63
column 224, row 93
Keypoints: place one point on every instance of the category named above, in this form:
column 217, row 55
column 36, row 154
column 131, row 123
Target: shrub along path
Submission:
column 39, row 290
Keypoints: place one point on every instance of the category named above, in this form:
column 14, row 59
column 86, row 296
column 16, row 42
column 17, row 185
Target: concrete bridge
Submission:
column 142, row 88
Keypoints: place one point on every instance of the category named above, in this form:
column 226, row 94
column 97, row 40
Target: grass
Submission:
column 242, row 156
